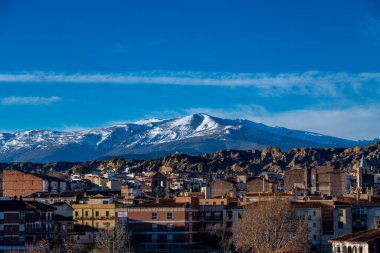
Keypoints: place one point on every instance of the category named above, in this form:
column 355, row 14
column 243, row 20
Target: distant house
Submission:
column 159, row 184
column 50, row 198
column 85, row 236
column 221, row 187
column 367, row 241
column 63, row 209
column 19, row 183
column 260, row 185
column 316, row 180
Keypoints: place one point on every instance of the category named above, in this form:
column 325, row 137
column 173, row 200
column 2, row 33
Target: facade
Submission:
column 312, row 212
column 24, row 222
column 163, row 224
column 95, row 215
column 159, row 184
column 85, row 236
column 327, row 180
column 220, row 188
column 260, row 185
column 295, row 179
column 317, row 180
column 31, row 183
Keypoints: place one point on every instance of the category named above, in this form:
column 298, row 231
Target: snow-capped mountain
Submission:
column 193, row 134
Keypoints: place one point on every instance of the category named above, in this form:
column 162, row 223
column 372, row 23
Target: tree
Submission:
column 40, row 246
column 225, row 239
column 115, row 240
column 271, row 226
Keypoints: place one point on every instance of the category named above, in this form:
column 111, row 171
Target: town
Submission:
column 168, row 210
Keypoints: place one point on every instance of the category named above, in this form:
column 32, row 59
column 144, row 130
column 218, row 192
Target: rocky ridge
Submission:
column 224, row 161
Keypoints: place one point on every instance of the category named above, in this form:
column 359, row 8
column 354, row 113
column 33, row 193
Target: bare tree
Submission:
column 40, row 246
column 114, row 240
column 271, row 226
column 225, row 238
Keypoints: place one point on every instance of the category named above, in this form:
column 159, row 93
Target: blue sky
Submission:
column 311, row 65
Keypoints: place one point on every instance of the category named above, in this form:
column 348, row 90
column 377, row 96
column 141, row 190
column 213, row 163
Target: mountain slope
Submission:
column 193, row 134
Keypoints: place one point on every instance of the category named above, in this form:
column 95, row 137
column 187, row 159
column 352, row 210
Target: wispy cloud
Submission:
column 13, row 100
column 329, row 121
column 310, row 82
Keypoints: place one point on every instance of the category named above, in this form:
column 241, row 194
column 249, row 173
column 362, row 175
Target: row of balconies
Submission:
column 95, row 217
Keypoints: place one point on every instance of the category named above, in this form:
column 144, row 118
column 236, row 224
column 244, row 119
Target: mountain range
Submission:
column 152, row 138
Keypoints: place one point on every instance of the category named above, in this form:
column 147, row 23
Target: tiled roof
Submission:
column 84, row 228
column 19, row 205
column 359, row 237
column 66, row 194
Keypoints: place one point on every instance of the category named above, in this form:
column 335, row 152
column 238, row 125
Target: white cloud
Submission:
column 360, row 122
column 310, row 82
column 13, row 100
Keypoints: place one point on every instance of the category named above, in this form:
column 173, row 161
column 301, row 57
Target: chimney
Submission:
column 370, row 192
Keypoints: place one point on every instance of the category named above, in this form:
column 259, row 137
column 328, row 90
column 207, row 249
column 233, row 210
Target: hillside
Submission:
column 194, row 134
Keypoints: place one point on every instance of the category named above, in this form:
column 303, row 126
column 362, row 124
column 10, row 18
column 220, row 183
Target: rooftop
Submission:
column 161, row 204
column 359, row 237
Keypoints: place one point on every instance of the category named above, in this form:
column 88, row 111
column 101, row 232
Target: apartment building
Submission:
column 163, row 224
column 98, row 212
column 312, row 211
column 19, row 183
column 24, row 222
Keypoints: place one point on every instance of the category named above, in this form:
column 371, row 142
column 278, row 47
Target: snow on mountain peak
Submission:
column 147, row 136
column 147, row 121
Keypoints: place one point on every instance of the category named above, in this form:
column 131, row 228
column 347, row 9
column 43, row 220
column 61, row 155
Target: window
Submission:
column 97, row 224
column 107, row 213
column 314, row 213
column 154, row 237
column 97, row 214
column 169, row 238
column 154, row 227
column 206, row 204
column 314, row 225
column 154, row 216
column 222, row 203
column 86, row 214
column 169, row 215
column 208, row 215
column 340, row 225
column 217, row 215
column 21, row 238
column 76, row 213
column 340, row 212
column 105, row 201
column 378, row 223
column 170, row 227
column 1, row 215
column 89, row 236
column 22, row 215
column 22, row 227
column 315, row 237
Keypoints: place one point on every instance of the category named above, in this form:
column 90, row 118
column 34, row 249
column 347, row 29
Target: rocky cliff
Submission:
column 225, row 161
